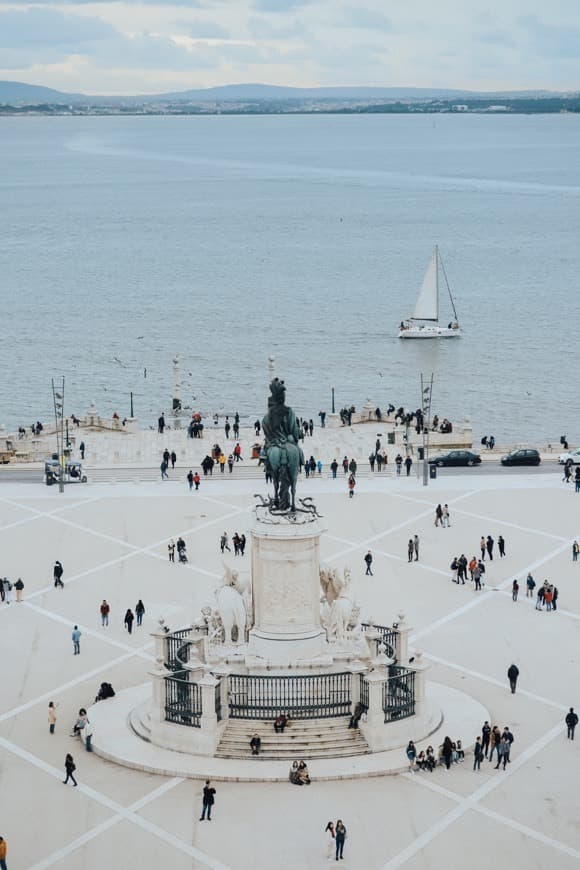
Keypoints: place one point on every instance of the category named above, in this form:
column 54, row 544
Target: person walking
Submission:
column 495, row 741
column 398, row 463
column 139, row 612
column 19, row 586
column 242, row 544
column 129, row 617
column 51, row 716
column 530, row 586
column 489, row 547
column 196, row 480
column 76, row 639
column 70, row 767
column 105, row 610
column 224, row 543
column 438, row 515
column 163, row 466
column 477, row 754
column 515, row 590
column 575, row 551
column 501, row 546
column 351, row 485
column 410, row 550
column 476, row 577
column 408, row 464
column 513, row 674
column 208, row 801
column 161, row 424
column 482, row 548
column 329, row 831
column 190, row 479
column 173, row 458
column 57, row 573
column 171, row 550
column 369, row 562
column 447, row 752
column 340, row 837
column 82, row 448
column 3, row 851
column 416, row 547
column 334, row 468
column 411, row 754
column 571, row 722
column 485, row 737
column 446, row 520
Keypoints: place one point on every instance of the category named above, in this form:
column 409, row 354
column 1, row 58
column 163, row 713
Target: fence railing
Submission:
column 182, row 702
column 299, row 697
column 177, row 649
column 399, row 694
column 364, row 692
column 388, row 636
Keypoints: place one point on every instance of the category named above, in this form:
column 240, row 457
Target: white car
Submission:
column 572, row 455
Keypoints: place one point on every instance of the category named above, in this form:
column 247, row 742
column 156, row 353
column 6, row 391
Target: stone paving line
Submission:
column 38, row 514
column 417, row 779
column 123, row 813
column 472, row 801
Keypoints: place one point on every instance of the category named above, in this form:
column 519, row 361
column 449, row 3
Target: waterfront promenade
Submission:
column 112, row 541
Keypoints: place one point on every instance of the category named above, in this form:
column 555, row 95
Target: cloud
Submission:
column 28, row 28
column 201, row 29
column 364, row 18
column 549, row 39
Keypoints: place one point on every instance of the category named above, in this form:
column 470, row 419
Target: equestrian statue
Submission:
column 284, row 456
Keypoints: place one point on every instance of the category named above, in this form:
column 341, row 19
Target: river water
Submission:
column 225, row 239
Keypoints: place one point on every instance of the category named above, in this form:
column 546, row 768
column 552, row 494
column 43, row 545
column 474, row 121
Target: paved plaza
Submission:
column 112, row 541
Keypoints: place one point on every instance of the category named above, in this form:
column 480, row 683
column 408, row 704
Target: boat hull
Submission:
column 429, row 332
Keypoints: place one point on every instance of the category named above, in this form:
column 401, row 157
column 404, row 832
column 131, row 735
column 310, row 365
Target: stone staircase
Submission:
column 139, row 721
column 305, row 738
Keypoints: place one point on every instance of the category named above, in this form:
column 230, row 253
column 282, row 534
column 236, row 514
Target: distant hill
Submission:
column 20, row 93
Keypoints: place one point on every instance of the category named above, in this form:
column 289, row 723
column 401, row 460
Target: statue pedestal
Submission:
column 286, row 589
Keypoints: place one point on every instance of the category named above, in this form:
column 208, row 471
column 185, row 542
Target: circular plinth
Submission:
column 115, row 740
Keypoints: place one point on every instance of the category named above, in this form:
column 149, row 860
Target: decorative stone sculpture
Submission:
column 338, row 607
column 231, row 607
column 284, row 457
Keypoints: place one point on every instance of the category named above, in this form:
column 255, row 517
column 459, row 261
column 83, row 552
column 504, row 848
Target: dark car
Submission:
column 456, row 457
column 525, row 456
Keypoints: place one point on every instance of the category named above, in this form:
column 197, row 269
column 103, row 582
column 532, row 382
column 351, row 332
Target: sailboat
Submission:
column 425, row 320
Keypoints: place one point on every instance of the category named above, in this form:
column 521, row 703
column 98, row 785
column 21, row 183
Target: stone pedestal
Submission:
column 286, row 590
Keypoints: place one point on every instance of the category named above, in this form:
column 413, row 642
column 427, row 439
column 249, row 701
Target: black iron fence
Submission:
column 182, row 702
column 299, row 697
column 364, row 692
column 399, row 694
column 388, row 636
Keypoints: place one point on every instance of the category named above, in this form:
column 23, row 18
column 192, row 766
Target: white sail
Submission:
column 427, row 307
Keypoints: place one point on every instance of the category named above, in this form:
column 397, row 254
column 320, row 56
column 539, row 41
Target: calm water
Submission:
column 225, row 239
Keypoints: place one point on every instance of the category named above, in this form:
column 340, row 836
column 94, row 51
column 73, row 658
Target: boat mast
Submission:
column 437, row 281
column 449, row 291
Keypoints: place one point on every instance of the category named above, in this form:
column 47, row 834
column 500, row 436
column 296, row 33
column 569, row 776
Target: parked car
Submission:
column 574, row 455
column 456, row 457
column 525, row 456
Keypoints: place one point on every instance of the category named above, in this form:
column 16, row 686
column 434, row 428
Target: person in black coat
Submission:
column 513, row 674
column 208, row 800
column 571, row 722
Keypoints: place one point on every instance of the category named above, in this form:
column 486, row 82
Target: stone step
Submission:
column 139, row 722
column 314, row 738
column 292, row 755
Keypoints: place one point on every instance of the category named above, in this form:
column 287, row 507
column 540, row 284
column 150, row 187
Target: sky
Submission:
column 124, row 47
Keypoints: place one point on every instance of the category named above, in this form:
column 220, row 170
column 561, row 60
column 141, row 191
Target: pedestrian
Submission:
column 447, row 752
column 501, row 546
column 482, row 546
column 408, row 464
column 345, row 465
column 540, row 598
column 171, row 550
column 495, row 741
column 571, row 722
column 334, row 468
column 129, row 617
column 477, row 754
column 351, row 485
column 76, row 639
column 161, row 424
column 372, row 458
column 438, row 515
column 530, row 586
column 242, row 544
column 166, row 456
column 548, row 597
column 105, row 610
column 319, row 466
column 190, row 479
column 208, row 800
column 329, row 831
column 163, row 466
column 476, row 577
column 515, row 590
column 82, row 448
column 575, row 551
column 577, row 479
column 255, row 743
column 7, row 588
column 70, row 768
column 173, row 458
column 416, row 547
column 19, row 586
column 513, row 674
column 410, row 550
column 322, row 415
column 398, row 463
column 3, row 850
column 489, row 547
column 51, row 716
column 411, row 754
column 196, row 480
column 236, row 543
column 446, row 521
column 340, row 837
column 57, row 572
column 257, row 427
column 139, row 612
column 369, row 561
column 352, row 466
column 485, row 737
column 224, row 543
column 227, row 427
column 502, row 753
column 554, row 597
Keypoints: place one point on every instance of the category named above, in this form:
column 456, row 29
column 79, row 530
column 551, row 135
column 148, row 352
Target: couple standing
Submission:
column 336, row 835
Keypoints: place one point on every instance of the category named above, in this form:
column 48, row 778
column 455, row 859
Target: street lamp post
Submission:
column 132, row 415
column 426, row 395
column 333, row 411
column 58, row 401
